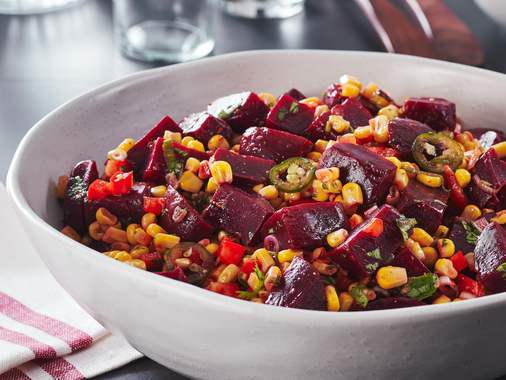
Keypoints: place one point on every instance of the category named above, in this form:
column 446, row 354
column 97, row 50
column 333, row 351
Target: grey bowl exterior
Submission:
column 208, row 336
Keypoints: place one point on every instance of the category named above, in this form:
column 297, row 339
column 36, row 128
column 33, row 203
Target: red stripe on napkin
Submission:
column 60, row 369
column 75, row 338
column 14, row 374
column 40, row 350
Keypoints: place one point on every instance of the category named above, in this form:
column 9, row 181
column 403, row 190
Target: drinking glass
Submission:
column 22, row 7
column 263, row 8
column 163, row 30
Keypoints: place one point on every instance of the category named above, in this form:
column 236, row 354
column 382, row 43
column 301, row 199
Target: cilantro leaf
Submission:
column 173, row 164
column 372, row 267
column 328, row 280
column 422, row 287
column 375, row 253
column 472, row 232
column 502, row 268
column 358, row 294
column 282, row 113
column 405, row 224
column 294, row 107
column 245, row 295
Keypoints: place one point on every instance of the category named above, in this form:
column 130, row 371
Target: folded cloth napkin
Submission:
column 44, row 334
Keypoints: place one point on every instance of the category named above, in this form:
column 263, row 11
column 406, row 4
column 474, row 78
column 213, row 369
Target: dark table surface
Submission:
column 47, row 59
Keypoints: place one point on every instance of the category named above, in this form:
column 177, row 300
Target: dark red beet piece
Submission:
column 460, row 237
column 203, row 126
column 241, row 111
column 487, row 136
column 362, row 253
column 238, row 212
column 176, row 274
column 156, row 167
column 183, row 152
column 273, row 144
column 316, row 129
column 290, row 115
column 393, row 303
column 301, row 287
column 437, row 113
column 427, row 205
column 358, row 164
column 84, row 173
column 490, row 253
column 296, row 94
column 305, row 225
column 191, row 226
column 137, row 155
column 246, row 169
column 405, row 259
column 402, row 133
column 332, row 95
column 353, row 111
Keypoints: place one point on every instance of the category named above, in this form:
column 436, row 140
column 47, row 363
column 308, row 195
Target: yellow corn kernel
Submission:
column 159, row 191
column 146, row 220
column 190, row 182
column 379, row 125
column 141, row 237
column 154, row 229
column 370, row 90
column 337, row 124
column 211, row 185
column 411, row 168
column 212, row 248
column 333, row 187
column 95, row 231
column 401, row 179
column 291, row 197
column 327, row 174
column 321, row 110
column 136, row 263
column 272, row 277
column 254, row 282
column 390, row 277
column 471, row 212
column 395, row 161
column 268, row 98
column 105, row 217
column 218, row 141
column 345, row 301
column 257, row 188
column 430, row 179
column 347, row 138
column 421, row 236
column 314, row 156
column 61, row 186
column 121, row 256
column 363, row 133
column 113, row 235
column 352, row 194
column 264, row 258
column 229, row 274
column 312, row 101
column 350, row 90
column 197, row 145
column 126, row 144
column 186, row 140
column 332, row 298
column 321, row 145
column 337, row 237
column 500, row 217
column 192, row 165
column 221, row 171
column 71, row 233
column 441, row 231
column 130, row 231
column 415, row 248
column 430, row 256
column 500, row 149
column 446, row 247
column 445, row 267
column 319, row 193
column 165, row 241
column 355, row 220
column 441, row 299
column 463, row 177
column 268, row 192
column 287, row 255
column 350, row 79
column 173, row 136
column 138, row 250
column 236, row 148
column 117, row 155
column 390, row 112
column 325, row 268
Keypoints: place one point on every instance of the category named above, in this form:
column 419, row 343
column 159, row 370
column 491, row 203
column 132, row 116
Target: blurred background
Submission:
column 47, row 58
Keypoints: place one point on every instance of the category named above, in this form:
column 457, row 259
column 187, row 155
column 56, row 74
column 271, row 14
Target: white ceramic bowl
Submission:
column 209, row 336
column 496, row 9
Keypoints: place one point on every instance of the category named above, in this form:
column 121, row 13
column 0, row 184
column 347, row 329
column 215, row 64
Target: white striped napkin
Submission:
column 44, row 334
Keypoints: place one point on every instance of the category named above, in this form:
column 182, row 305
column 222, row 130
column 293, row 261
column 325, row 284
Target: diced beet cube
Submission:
column 393, row 303
column 137, row 155
column 358, row 164
column 300, row 287
column 203, row 126
column 362, row 253
column 241, row 111
column 405, row 259
column 487, row 136
column 353, row 111
column 296, row 94
column 316, row 129
column 290, row 115
column 305, row 225
column 490, row 254
column 273, row 144
column 248, row 169
column 176, row 274
column 402, row 133
column 238, row 212
column 181, row 219
column 129, row 208
column 84, row 173
column 333, row 96
column 463, row 239
column 427, row 205
column 437, row 113
column 183, row 152
column 156, row 167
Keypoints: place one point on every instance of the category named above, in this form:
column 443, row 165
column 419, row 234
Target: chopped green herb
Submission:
column 282, row 113
column 245, row 295
column 328, row 280
column 358, row 294
column 173, row 164
column 375, row 253
column 422, row 287
column 294, row 107
column 372, row 267
column 248, row 295
column 259, row 274
column 502, row 268
column 405, row 224
column 472, row 232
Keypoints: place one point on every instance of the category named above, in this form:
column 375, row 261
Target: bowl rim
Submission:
column 209, row 297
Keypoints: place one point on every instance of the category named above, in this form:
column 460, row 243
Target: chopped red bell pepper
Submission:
column 374, row 227
column 247, row 266
column 121, row 183
column 230, row 289
column 99, row 189
column 153, row 261
column 384, row 151
column 230, row 252
column 467, row 284
column 154, row 205
column 459, row 261
column 457, row 195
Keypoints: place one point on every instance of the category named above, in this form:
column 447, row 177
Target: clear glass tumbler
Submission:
column 263, row 8
column 163, row 30
column 24, row 7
